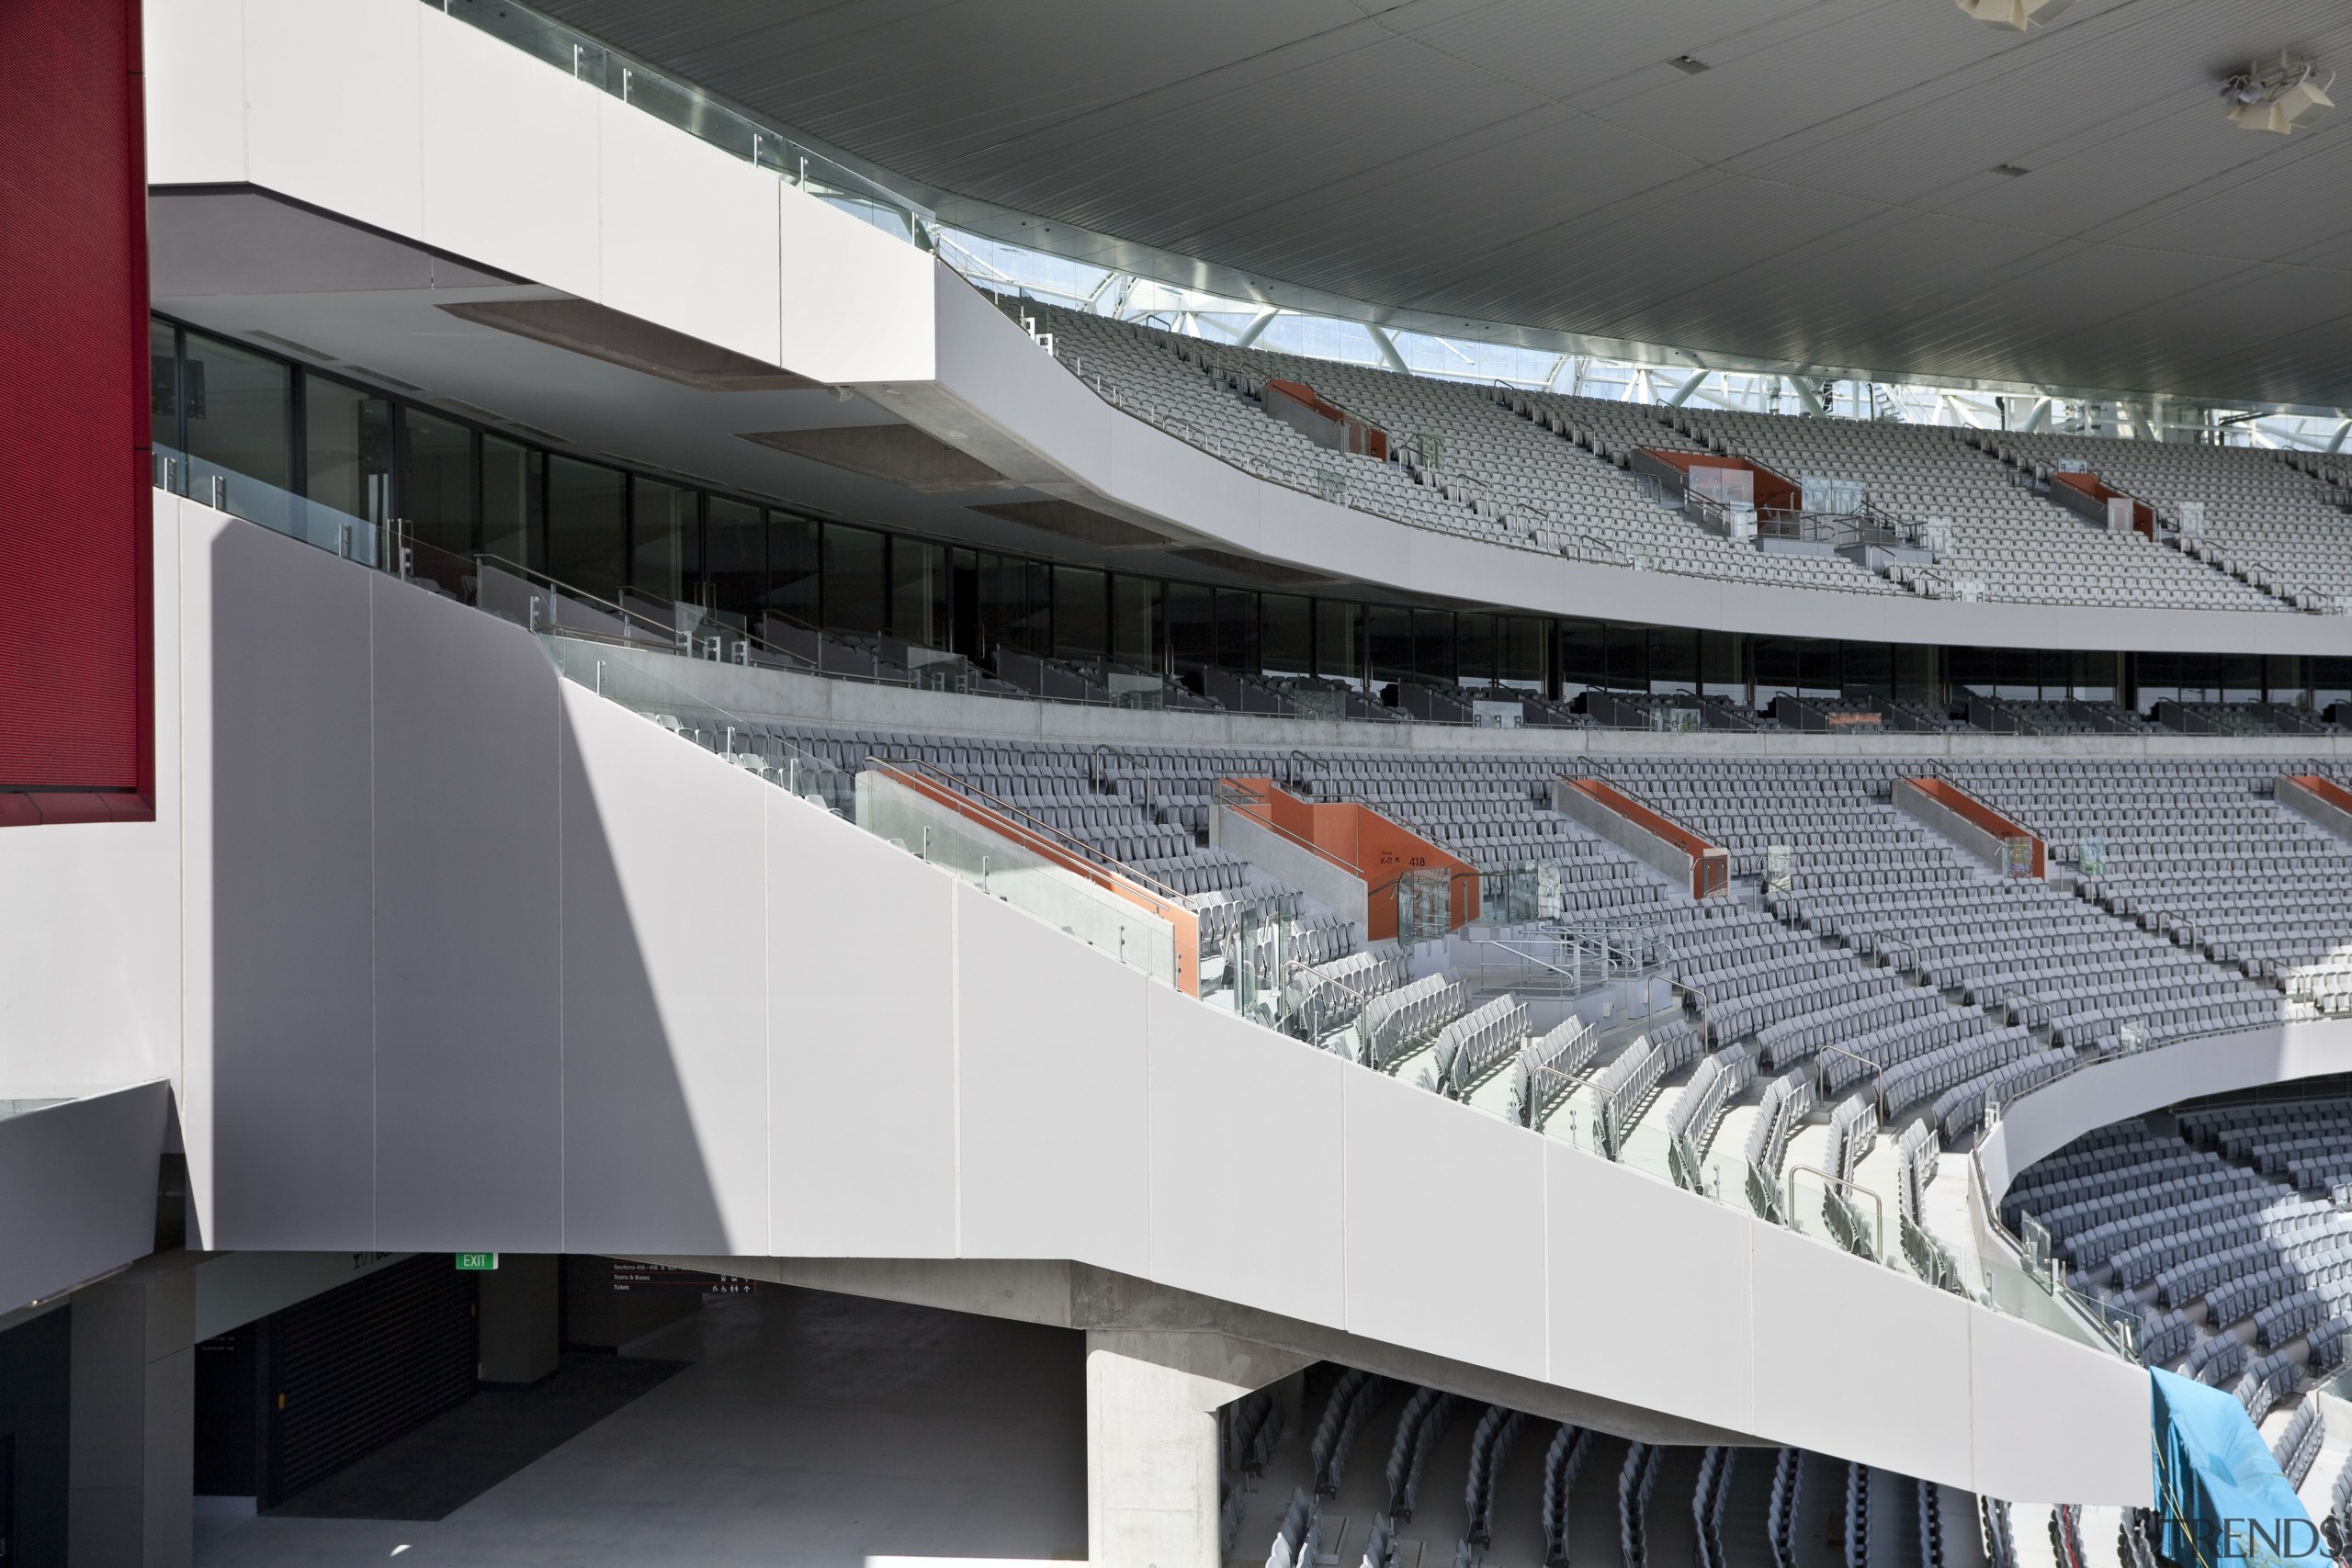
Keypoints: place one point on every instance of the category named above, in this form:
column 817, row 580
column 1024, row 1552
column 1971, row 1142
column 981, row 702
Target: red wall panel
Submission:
column 76, row 581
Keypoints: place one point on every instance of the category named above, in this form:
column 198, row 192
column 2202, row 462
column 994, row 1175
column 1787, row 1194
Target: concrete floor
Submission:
column 809, row 1430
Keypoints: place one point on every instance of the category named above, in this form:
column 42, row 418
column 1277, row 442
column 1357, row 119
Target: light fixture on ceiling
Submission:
column 2014, row 171
column 2017, row 15
column 2280, row 98
column 1690, row 64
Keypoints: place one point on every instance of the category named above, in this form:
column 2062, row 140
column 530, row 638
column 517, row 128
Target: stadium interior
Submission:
column 1182, row 787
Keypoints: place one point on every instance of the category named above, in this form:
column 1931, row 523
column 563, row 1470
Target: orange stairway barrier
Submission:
column 2323, row 800
column 1378, row 851
column 1056, row 848
column 1969, row 822
column 1322, row 420
column 2089, row 494
column 1646, row 832
column 1773, row 491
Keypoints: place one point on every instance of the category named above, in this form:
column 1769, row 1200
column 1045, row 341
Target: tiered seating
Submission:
column 1786, row 1103
column 2261, row 514
column 1546, row 472
column 2161, row 1223
column 1892, row 966
column 2021, row 546
column 1719, row 1079
column 2193, row 849
column 1628, row 1080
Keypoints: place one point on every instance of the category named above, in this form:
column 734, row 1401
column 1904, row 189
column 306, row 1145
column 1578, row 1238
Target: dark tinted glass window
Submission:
column 1082, row 613
column 1286, row 634
column 239, row 407
column 584, row 527
column 347, row 437
column 512, row 499
column 663, row 517
column 437, row 486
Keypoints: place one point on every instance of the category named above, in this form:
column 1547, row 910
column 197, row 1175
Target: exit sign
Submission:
column 477, row 1261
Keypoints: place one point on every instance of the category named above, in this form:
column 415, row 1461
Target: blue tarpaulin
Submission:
column 2220, row 1496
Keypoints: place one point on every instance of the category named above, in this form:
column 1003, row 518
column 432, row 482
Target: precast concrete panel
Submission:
column 1050, row 1109
column 469, row 1141
column 1238, row 1116
column 861, row 1041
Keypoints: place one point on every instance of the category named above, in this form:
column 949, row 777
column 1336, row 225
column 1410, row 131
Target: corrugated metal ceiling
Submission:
column 1821, row 195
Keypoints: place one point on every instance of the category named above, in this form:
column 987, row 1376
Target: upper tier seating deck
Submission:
column 2021, row 545
column 1544, row 472
column 1488, row 474
column 2259, row 510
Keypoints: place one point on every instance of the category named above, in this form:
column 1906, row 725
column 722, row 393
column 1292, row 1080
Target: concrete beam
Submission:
column 1077, row 1295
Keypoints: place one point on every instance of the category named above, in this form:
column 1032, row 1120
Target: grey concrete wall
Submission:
column 780, row 696
column 133, row 1452
column 2307, row 803
column 1624, row 832
column 1938, row 818
column 1286, row 860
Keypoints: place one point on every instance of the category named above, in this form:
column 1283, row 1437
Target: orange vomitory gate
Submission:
column 1399, row 870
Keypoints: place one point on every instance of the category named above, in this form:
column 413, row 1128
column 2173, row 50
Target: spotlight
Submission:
column 2281, row 98
column 2017, row 15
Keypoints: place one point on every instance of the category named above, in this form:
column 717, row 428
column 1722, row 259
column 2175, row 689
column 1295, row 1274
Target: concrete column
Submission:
column 1151, row 1448
column 132, row 1449
column 517, row 1331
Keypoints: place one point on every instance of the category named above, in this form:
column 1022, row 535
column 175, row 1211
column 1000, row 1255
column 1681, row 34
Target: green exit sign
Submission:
column 477, row 1261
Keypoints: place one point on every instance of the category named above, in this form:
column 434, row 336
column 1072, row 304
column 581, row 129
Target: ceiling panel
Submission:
column 1821, row 194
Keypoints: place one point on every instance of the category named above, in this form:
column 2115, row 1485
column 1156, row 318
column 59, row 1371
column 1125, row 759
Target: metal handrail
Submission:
column 1878, row 1206
column 1103, row 752
column 1878, row 1073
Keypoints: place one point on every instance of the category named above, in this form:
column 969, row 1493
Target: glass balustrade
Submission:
column 699, row 113
column 281, row 511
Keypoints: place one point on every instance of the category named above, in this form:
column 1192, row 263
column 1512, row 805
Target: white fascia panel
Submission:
column 469, row 1141
column 1239, row 1115
column 77, row 1188
column 291, row 915
column 332, row 108
column 2022, row 1438
column 511, row 158
column 665, row 1037
column 184, row 536
column 1444, row 1226
column 91, row 922
column 862, row 1076
column 1862, row 1362
column 194, row 54
column 688, row 233
column 1050, row 1102
column 857, row 304
column 1634, row 1261
column 1170, row 479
